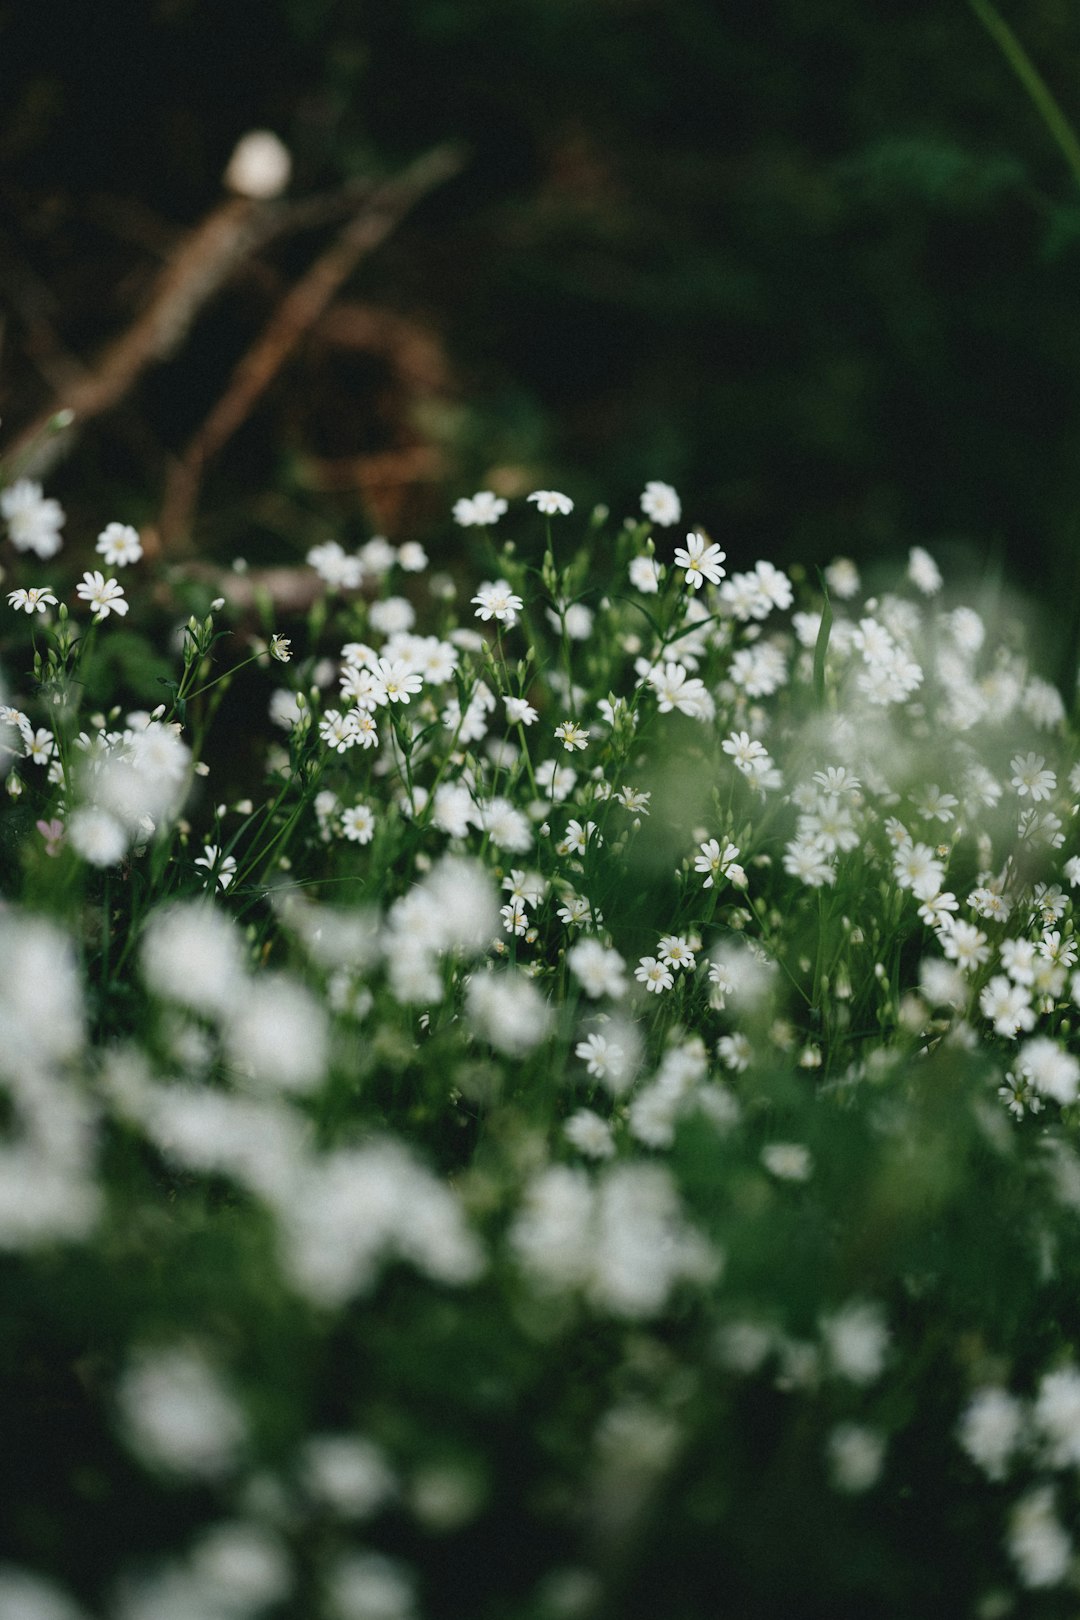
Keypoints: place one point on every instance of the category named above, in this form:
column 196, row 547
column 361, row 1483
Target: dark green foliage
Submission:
column 817, row 263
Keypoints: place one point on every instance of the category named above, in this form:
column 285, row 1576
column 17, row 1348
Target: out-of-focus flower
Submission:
column 260, row 166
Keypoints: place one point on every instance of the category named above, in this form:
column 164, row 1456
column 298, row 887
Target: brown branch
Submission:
column 203, row 261
column 198, row 265
column 294, row 317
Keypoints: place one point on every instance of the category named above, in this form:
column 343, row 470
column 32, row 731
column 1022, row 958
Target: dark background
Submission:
column 815, row 263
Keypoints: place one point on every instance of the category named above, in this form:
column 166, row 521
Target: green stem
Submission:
column 1032, row 81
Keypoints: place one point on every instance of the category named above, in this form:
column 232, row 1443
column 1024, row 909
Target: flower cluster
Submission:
column 628, row 999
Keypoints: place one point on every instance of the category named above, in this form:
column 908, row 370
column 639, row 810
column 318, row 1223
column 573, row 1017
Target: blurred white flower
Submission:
column 482, row 509
column 661, row 504
column 551, row 502
column 259, row 167
column 191, row 954
column 177, row 1415
column 119, row 544
column 34, row 521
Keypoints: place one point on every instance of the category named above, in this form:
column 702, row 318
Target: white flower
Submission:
column 1037, row 1543
column 509, row 1011
column 1007, row 1005
column 369, row 1586
column 937, row 910
column 855, row 1454
column 551, row 502
column 789, row 1161
column 223, row 865
column 745, row 751
column 734, row 1051
column 661, row 504
column 191, row 953
column 506, row 826
column 965, row 945
column 178, row 1416
column 119, row 544
column 495, row 600
column 397, row 681
column 714, row 862
column 774, row 585
column 97, row 836
column 40, row 993
column 411, row 557
column 484, row 508
column 348, row 1473
column 759, row 671
column 598, row 969
column 34, row 521
column 917, row 868
column 277, row 1034
column 654, row 975
column 577, row 620
column 991, row 1428
column 842, row 578
column 634, row 800
column 27, row 1596
column 856, row 1338
column 1029, row 777
column 701, row 561
column 260, row 166
column 601, row 1057
column 519, row 712
column 35, row 600
column 284, row 710
column 392, row 615
column 571, row 735
column 676, row 689
column 923, row 571
column 644, row 576
column 38, row 745
column 808, row 860
column 590, row 1134
column 933, row 804
column 333, row 566
column 676, row 951
column 1052, row 1071
column 358, row 823
column 105, row 596
column 576, row 838
column 558, row 781
column 515, row 919
column 622, row 1240
column 527, row 886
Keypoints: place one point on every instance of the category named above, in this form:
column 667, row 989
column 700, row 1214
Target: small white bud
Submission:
column 259, row 167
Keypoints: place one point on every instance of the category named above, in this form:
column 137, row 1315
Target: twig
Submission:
column 198, row 265
column 298, row 311
column 202, row 263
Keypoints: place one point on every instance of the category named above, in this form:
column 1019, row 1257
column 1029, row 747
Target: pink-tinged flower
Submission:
column 105, row 596
column 53, row 834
